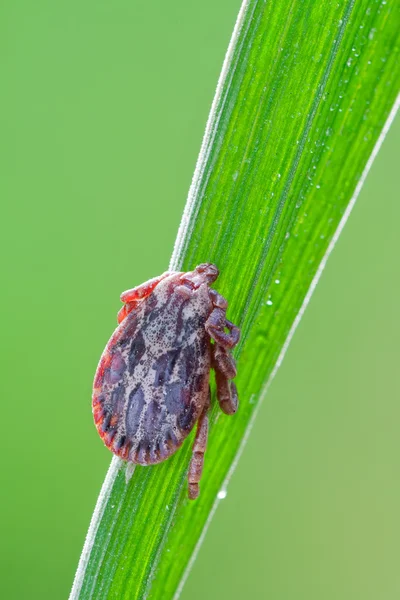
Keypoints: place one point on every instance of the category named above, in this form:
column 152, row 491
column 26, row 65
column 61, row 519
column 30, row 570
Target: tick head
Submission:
column 207, row 271
column 204, row 273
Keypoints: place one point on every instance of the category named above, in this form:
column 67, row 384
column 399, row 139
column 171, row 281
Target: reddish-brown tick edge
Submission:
column 152, row 382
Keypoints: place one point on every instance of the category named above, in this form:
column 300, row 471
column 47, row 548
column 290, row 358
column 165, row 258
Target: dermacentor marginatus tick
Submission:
column 152, row 382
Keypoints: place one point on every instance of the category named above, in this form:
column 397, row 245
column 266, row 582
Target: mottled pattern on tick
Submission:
column 152, row 382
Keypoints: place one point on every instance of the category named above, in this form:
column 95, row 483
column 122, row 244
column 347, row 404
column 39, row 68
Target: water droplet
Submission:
column 269, row 302
column 277, row 281
column 235, row 175
column 221, row 494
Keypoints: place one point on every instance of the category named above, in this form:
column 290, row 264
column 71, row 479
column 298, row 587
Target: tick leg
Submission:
column 218, row 300
column 126, row 309
column 222, row 361
column 216, row 325
column 131, row 298
column 226, row 393
column 225, row 369
column 199, row 448
column 144, row 289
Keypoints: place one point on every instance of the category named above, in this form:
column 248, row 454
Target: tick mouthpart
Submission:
column 204, row 273
column 208, row 271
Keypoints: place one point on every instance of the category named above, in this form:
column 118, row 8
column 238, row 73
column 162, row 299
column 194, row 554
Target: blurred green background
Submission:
column 103, row 108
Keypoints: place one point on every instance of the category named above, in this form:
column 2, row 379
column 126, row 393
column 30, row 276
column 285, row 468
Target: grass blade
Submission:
column 306, row 95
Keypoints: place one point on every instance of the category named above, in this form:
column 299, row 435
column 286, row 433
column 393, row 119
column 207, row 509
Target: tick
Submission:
column 152, row 383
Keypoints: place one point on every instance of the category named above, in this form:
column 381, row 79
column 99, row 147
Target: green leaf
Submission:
column 307, row 93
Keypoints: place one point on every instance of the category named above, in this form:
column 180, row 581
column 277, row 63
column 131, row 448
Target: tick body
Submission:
column 152, row 383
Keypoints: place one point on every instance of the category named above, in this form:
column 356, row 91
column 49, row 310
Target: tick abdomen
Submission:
column 155, row 382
